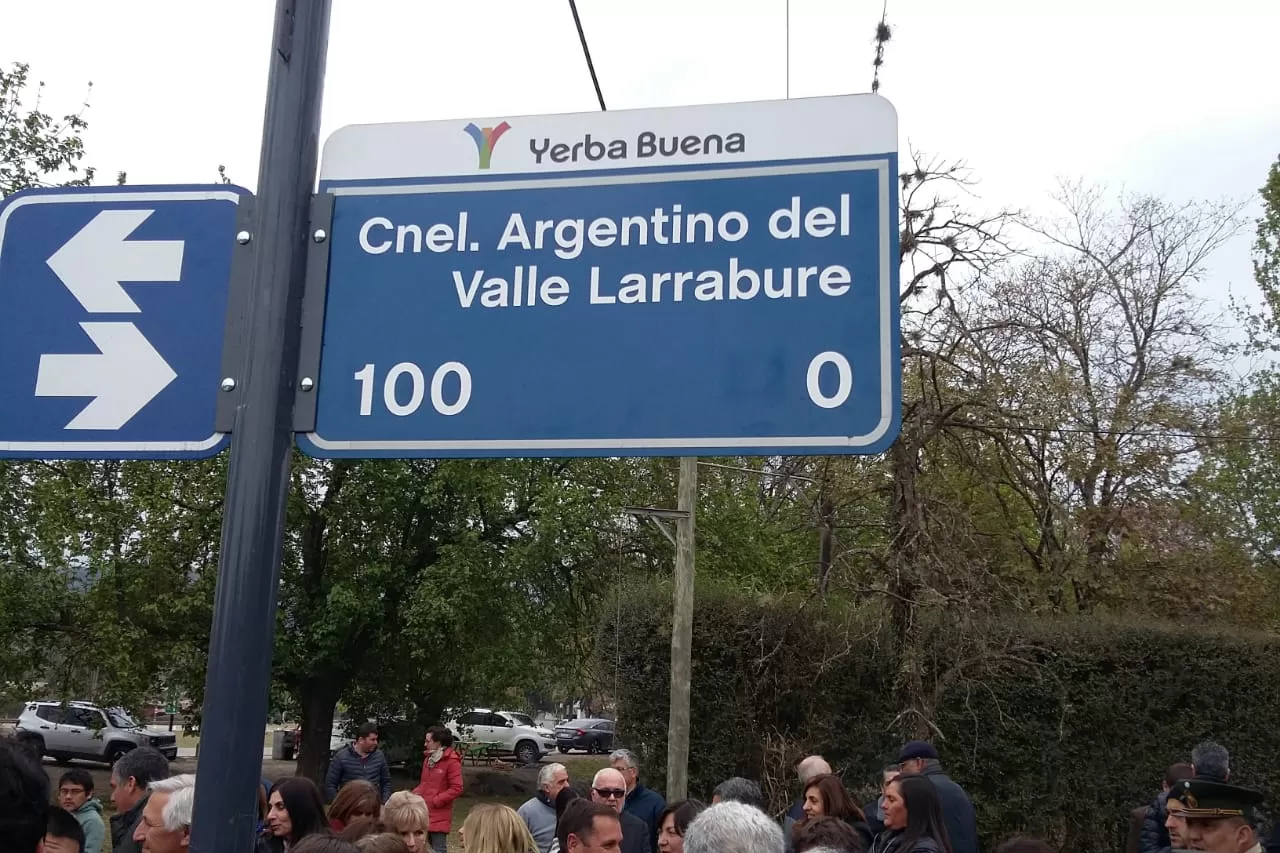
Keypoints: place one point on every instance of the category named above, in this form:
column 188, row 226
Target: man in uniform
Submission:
column 1220, row 817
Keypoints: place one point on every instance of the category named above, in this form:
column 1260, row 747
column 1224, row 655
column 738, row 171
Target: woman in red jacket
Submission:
column 441, row 784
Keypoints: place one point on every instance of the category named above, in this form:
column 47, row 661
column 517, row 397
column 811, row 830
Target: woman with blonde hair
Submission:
column 406, row 815
column 494, row 828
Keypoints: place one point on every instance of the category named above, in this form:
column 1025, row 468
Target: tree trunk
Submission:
column 318, row 702
column 905, row 583
column 826, row 513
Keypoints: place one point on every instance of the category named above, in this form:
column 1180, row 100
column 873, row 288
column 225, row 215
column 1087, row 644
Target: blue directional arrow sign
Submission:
column 704, row 280
column 113, row 303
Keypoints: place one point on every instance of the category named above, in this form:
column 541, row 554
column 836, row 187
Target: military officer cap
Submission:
column 1206, row 799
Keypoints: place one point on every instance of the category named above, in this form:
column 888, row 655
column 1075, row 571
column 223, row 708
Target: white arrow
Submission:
column 123, row 377
column 94, row 262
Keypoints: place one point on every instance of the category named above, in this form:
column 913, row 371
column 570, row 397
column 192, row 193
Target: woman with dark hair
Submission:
column 440, row 785
column 825, row 832
column 358, row 798
column 826, row 796
column 912, row 818
column 566, row 796
column 360, row 827
column 675, row 819
column 295, row 811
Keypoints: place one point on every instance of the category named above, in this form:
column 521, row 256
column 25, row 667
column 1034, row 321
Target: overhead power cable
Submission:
column 586, row 52
column 1138, row 432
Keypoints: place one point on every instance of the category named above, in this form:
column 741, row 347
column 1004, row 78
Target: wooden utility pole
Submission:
column 678, row 724
column 682, row 634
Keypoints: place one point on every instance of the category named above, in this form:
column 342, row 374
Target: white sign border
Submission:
column 89, row 197
column 888, row 304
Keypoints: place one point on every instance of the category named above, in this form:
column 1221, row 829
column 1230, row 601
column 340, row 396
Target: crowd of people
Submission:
column 920, row 809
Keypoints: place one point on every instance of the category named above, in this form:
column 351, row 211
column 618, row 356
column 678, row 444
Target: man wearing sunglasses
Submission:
column 609, row 787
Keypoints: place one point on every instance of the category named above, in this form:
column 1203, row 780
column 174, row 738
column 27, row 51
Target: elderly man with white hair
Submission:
column 731, row 827
column 539, row 812
column 644, row 803
column 166, row 819
column 610, row 787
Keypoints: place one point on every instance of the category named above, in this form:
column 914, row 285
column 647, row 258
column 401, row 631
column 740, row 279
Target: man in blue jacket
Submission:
column 1209, row 761
column 642, row 802
column 957, row 809
column 361, row 760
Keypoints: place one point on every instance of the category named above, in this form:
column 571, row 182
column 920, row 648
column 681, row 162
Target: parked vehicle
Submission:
column 511, row 731
column 64, row 731
column 595, row 735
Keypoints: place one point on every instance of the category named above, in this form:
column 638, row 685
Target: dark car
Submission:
column 593, row 735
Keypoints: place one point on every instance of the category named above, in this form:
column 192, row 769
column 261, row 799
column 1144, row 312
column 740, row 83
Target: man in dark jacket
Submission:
column 642, row 802
column 874, row 810
column 1133, row 842
column 130, row 776
column 360, row 760
column 1208, row 761
column 1273, row 843
column 957, row 809
column 1154, row 835
column 610, row 788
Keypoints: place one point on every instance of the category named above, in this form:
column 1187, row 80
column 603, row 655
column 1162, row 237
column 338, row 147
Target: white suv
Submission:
column 511, row 731
column 64, row 731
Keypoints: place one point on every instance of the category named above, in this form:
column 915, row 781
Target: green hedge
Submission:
column 1061, row 743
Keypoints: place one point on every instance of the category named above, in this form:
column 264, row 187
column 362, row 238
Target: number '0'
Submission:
column 417, row 388
column 844, row 379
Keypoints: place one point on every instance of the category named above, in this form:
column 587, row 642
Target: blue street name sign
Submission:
column 712, row 280
column 112, row 310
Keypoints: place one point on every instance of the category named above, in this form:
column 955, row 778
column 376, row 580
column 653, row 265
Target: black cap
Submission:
column 1206, row 799
column 918, row 749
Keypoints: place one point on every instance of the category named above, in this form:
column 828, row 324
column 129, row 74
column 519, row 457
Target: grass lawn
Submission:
column 191, row 741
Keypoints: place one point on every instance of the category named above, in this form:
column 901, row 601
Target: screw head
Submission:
column 228, row 384
column 307, row 383
column 243, row 237
column 319, row 236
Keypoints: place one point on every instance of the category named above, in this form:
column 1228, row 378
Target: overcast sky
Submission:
column 1178, row 97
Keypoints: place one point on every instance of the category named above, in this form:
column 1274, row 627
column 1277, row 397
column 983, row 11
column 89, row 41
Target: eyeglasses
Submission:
column 611, row 793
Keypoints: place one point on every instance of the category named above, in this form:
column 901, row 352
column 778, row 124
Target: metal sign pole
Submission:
column 236, row 688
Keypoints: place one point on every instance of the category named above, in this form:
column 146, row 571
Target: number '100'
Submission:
column 393, row 389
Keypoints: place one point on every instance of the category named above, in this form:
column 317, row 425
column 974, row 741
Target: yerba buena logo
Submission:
column 485, row 138
column 646, row 145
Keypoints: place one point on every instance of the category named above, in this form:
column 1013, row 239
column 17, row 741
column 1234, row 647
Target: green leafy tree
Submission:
column 37, row 598
column 410, row 587
column 37, row 149
column 1266, row 262
column 118, row 561
column 1099, row 367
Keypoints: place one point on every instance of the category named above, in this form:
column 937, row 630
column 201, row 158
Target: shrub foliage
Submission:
column 1055, row 728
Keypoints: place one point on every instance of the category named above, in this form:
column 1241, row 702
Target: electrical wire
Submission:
column 1125, row 433
column 599, row 96
column 586, row 52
